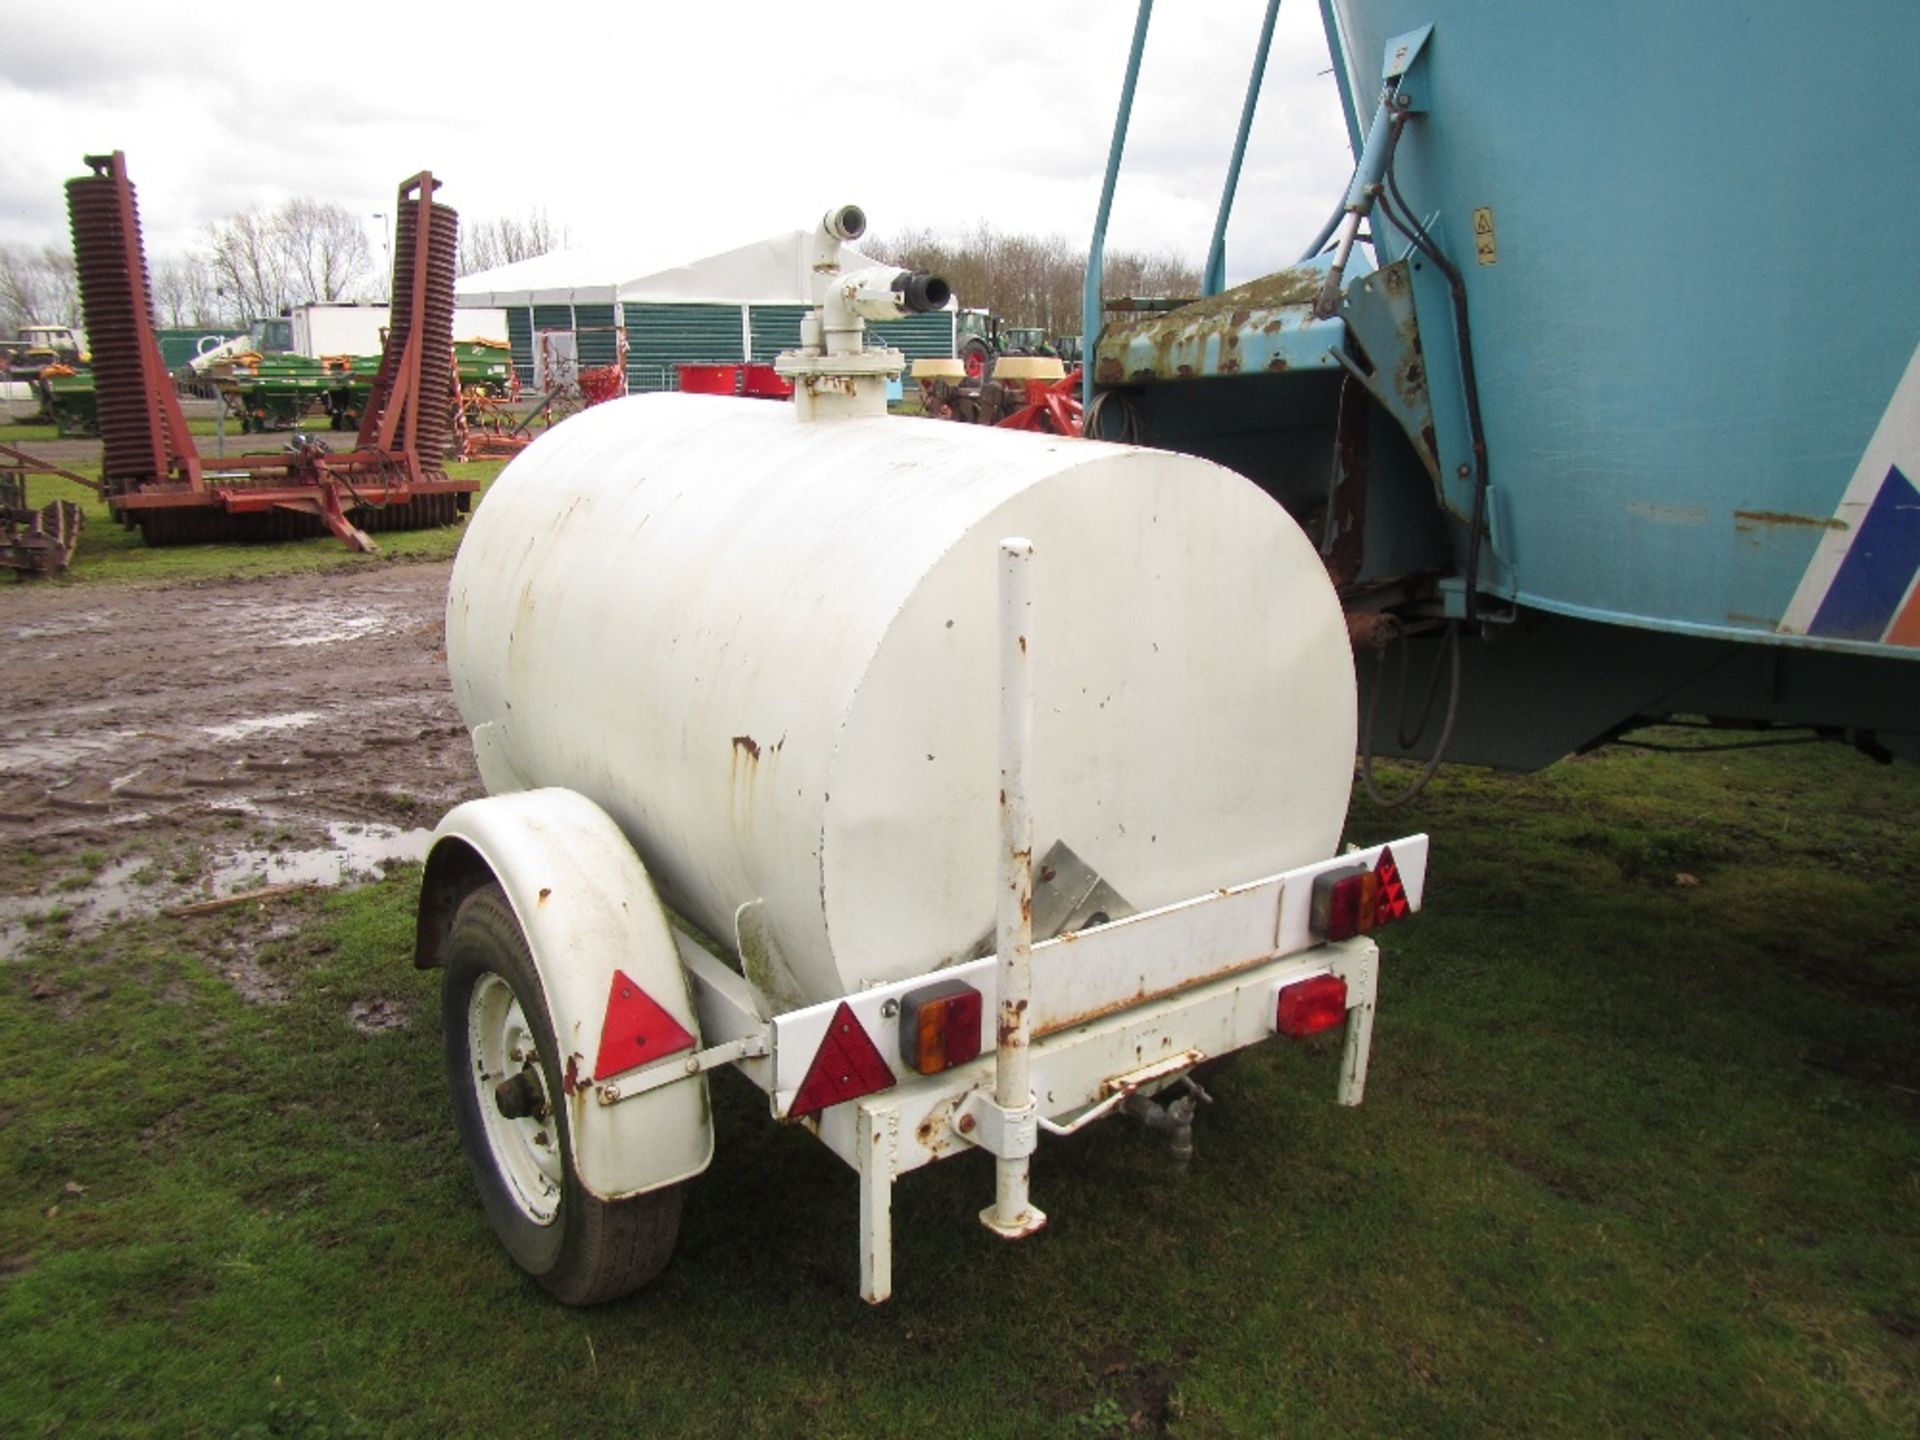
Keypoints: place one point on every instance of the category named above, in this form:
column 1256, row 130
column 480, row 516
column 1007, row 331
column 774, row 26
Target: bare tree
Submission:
column 249, row 270
column 325, row 247
column 37, row 287
column 184, row 295
column 264, row 261
column 1032, row 279
column 485, row 244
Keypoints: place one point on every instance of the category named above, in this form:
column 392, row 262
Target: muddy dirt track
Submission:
column 175, row 743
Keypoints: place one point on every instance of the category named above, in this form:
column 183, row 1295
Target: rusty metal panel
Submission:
column 1264, row 326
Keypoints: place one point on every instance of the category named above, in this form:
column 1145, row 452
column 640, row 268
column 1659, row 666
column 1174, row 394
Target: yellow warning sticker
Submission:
column 1483, row 242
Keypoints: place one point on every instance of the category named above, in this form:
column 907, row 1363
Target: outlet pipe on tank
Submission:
column 833, row 372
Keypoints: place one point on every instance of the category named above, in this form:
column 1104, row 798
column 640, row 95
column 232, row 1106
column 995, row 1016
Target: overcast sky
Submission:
column 673, row 131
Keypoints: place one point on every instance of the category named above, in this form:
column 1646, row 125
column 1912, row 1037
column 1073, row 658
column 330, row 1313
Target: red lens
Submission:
column 1309, row 1006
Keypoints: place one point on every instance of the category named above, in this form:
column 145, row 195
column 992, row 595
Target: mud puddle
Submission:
column 354, row 850
column 139, row 884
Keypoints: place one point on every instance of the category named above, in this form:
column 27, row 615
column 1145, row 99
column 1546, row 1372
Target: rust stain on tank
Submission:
column 747, row 743
column 546, row 891
column 1775, row 517
column 573, row 1081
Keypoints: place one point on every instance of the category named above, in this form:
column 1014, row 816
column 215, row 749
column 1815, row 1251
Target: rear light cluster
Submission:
column 1347, row 901
column 1355, row 899
column 940, row 1027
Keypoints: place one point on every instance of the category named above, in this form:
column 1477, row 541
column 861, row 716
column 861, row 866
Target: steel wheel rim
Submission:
column 526, row 1152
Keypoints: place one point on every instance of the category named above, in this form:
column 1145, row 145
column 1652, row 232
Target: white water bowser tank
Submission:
column 768, row 650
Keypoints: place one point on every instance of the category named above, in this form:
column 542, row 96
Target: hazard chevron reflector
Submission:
column 636, row 1031
column 1391, row 903
column 846, row 1066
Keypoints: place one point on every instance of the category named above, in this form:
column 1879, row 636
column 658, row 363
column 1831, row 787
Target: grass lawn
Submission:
column 20, row 432
column 110, row 552
column 1639, row 1157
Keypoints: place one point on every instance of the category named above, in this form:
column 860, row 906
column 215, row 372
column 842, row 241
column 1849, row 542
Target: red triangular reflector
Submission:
column 636, row 1031
column 847, row 1065
column 1392, row 904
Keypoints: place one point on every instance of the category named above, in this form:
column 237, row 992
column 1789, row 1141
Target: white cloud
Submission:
column 704, row 125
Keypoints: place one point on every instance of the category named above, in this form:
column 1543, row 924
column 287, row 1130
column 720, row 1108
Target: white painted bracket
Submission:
column 671, row 1072
column 1008, row 1134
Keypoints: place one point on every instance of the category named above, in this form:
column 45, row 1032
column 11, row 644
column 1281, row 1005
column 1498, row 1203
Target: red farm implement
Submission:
column 36, row 542
column 392, row 479
column 1020, row 392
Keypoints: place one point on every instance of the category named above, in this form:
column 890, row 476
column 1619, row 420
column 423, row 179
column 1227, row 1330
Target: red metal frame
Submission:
column 385, row 467
column 1052, row 405
column 176, row 451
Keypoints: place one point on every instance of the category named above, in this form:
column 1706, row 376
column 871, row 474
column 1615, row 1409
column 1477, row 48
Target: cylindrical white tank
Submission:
column 767, row 650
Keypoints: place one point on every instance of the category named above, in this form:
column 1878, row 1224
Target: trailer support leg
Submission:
column 1012, row 1214
column 1362, row 983
column 879, row 1152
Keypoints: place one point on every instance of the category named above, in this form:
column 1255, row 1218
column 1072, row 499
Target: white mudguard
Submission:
column 587, row 908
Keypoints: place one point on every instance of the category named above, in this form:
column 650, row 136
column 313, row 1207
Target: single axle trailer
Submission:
column 1005, row 772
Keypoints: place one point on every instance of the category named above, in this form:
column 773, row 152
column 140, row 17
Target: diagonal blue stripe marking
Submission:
column 1879, row 567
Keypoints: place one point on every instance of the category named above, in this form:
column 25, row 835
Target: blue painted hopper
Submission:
column 1621, row 422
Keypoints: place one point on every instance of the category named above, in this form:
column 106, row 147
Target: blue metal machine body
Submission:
column 1701, row 418
column 1679, row 374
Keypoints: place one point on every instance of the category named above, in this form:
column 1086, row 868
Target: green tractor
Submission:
column 981, row 337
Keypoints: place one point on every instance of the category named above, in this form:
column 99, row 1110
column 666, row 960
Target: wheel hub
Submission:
column 512, row 1099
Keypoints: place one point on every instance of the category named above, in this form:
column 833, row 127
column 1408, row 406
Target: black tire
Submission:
column 590, row 1250
column 975, row 355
